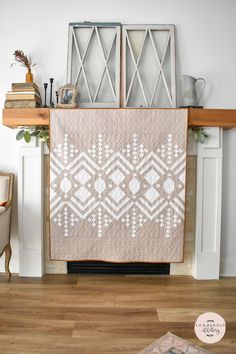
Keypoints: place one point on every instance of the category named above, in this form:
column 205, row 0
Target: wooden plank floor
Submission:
column 64, row 314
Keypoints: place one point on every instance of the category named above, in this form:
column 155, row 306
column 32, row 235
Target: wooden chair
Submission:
column 6, row 192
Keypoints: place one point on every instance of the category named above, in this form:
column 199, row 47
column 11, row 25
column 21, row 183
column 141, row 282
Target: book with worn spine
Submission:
column 25, row 90
column 21, row 86
column 22, row 104
column 13, row 96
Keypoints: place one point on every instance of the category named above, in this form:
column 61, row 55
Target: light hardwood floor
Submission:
column 64, row 314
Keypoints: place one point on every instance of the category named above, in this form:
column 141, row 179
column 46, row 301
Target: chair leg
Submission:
column 7, row 260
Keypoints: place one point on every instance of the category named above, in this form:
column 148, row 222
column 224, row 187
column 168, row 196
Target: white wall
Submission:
column 205, row 46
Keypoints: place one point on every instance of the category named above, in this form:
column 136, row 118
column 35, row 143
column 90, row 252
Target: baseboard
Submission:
column 228, row 268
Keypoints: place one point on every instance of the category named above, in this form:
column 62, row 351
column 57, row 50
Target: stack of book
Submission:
column 23, row 95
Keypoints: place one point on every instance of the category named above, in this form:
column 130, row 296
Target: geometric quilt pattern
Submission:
column 117, row 188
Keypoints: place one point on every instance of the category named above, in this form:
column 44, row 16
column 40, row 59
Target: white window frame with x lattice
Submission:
column 113, row 86
column 148, row 29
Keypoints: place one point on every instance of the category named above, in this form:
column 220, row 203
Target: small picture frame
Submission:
column 67, row 96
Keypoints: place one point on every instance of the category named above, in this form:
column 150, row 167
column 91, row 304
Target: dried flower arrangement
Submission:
column 23, row 60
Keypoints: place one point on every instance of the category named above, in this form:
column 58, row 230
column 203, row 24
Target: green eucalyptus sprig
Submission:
column 27, row 132
column 199, row 134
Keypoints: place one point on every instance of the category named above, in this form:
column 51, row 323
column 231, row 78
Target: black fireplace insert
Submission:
column 98, row 267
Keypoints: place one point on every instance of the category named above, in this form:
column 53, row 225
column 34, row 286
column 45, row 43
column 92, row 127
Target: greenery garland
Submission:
column 42, row 132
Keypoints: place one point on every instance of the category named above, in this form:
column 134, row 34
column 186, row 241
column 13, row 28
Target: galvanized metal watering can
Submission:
column 190, row 97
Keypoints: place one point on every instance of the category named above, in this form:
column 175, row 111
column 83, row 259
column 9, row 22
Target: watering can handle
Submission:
column 203, row 87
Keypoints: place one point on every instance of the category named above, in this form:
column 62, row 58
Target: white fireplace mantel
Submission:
column 208, row 211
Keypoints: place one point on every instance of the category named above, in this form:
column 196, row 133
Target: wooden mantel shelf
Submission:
column 14, row 118
column 224, row 118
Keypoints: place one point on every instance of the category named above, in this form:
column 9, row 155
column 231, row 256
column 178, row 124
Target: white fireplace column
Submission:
column 208, row 206
column 30, row 208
